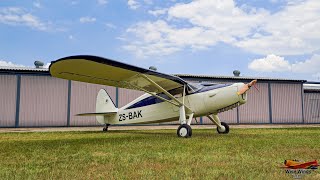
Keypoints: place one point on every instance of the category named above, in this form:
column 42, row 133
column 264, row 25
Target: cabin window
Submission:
column 177, row 93
column 149, row 101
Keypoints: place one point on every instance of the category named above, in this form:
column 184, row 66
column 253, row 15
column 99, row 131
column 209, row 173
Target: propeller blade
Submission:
column 256, row 88
column 252, row 83
column 246, row 87
column 243, row 89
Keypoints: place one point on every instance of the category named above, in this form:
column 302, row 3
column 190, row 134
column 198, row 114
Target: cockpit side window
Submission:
column 176, row 92
column 148, row 101
column 154, row 100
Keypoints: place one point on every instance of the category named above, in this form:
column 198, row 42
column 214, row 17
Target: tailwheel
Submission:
column 105, row 129
column 224, row 129
column 184, row 130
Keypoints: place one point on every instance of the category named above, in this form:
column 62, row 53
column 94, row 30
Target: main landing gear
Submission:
column 184, row 130
column 105, row 129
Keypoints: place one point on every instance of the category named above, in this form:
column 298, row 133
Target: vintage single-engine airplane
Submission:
column 167, row 97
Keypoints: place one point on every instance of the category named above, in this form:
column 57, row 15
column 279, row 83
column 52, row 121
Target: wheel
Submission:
column 105, row 129
column 184, row 130
column 225, row 130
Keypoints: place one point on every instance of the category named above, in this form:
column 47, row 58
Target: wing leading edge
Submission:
column 98, row 70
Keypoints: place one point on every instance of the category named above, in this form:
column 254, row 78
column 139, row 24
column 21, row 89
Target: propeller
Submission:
column 246, row 87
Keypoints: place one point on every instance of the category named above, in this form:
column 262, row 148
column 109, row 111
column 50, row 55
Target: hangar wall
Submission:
column 312, row 107
column 8, row 92
column 287, row 103
column 35, row 100
column 257, row 107
column 43, row 101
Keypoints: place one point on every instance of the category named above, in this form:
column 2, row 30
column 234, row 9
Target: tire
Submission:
column 226, row 126
column 184, row 130
column 105, row 129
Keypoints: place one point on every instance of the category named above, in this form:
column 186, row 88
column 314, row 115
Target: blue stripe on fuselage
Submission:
column 153, row 100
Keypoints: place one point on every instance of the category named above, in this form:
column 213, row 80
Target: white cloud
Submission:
column 133, row 4
column 18, row 16
column 102, row 2
column 311, row 65
column 158, row 38
column 293, row 30
column 273, row 63
column 269, row 64
column 110, row 25
column 10, row 64
column 293, row 2
column 87, row 19
column 158, row 12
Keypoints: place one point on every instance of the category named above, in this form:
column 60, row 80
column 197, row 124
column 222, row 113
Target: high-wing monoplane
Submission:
column 167, row 97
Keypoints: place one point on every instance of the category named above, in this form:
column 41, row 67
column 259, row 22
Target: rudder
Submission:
column 104, row 104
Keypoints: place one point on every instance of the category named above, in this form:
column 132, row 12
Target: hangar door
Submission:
column 312, row 107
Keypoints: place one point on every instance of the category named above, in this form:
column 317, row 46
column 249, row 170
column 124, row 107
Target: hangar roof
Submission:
column 23, row 70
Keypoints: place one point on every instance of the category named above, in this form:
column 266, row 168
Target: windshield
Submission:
column 194, row 87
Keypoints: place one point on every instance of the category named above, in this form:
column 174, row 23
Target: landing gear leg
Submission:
column 184, row 130
column 105, row 129
column 222, row 127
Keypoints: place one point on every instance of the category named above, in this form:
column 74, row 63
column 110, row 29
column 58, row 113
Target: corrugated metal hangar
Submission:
column 30, row 97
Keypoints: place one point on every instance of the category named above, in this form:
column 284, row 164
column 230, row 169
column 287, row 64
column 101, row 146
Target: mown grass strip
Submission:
column 157, row 154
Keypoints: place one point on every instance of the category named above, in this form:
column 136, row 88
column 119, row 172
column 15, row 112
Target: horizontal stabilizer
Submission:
column 97, row 114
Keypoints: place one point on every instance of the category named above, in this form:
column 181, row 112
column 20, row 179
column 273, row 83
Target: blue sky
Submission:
column 275, row 38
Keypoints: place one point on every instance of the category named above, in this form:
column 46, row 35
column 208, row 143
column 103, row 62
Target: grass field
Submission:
column 157, row 154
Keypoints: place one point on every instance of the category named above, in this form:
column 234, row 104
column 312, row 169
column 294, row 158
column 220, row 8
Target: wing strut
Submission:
column 153, row 94
column 166, row 92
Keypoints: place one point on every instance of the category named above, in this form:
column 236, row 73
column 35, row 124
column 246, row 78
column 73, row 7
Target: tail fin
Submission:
column 104, row 103
column 104, row 107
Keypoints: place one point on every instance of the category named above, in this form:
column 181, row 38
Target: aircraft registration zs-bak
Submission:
column 167, row 97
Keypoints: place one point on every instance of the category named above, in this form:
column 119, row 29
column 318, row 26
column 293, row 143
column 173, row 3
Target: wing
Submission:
column 98, row 70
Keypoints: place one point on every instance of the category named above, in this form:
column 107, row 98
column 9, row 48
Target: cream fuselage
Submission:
column 202, row 104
